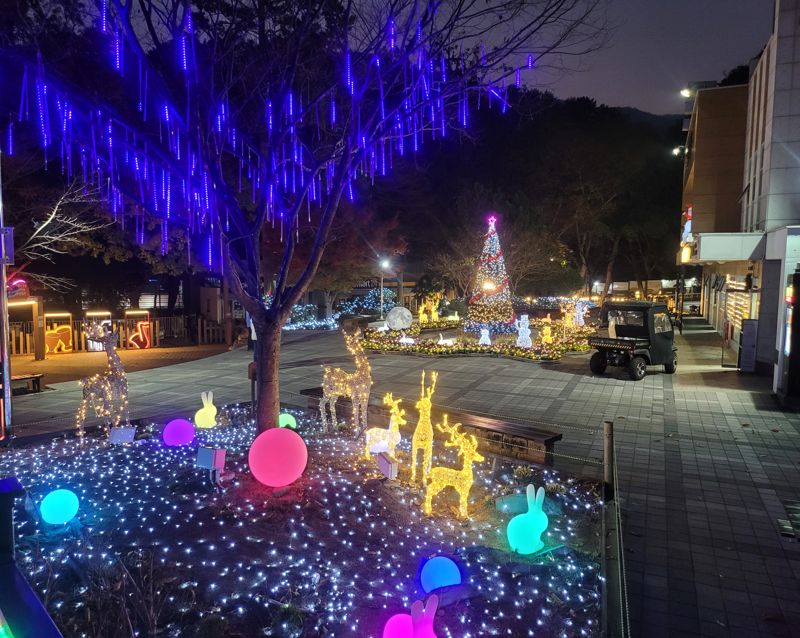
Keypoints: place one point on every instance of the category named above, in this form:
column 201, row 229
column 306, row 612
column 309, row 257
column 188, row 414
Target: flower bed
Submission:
column 574, row 341
column 155, row 549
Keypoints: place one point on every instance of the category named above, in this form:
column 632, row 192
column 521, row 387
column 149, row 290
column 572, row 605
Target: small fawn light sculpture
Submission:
column 106, row 392
column 422, row 440
column 460, row 480
column 390, row 437
column 354, row 385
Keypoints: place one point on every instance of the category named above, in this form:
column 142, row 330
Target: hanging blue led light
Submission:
column 417, row 108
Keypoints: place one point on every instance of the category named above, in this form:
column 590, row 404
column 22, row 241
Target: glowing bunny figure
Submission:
column 445, row 342
column 417, row 625
column 380, row 440
column 485, row 340
column 422, row 440
column 525, row 531
column 206, row 417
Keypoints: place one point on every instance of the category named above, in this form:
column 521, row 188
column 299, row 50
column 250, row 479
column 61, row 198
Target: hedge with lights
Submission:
column 575, row 341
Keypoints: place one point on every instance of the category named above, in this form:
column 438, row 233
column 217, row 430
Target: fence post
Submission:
column 10, row 489
column 608, row 459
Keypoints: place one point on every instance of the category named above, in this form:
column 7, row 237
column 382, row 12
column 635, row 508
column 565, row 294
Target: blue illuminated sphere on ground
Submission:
column 59, row 507
column 438, row 572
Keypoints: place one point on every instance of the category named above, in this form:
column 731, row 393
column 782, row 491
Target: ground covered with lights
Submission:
column 156, row 549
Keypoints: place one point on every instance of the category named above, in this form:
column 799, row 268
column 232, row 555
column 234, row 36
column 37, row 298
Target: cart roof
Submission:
column 634, row 305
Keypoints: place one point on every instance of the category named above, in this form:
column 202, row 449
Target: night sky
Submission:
column 660, row 45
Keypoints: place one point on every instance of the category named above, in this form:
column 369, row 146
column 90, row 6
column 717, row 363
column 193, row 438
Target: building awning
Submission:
column 721, row 247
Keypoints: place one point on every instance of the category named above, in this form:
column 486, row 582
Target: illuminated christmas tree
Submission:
column 490, row 304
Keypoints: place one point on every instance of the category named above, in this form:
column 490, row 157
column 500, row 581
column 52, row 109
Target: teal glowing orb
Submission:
column 287, row 420
column 59, row 507
column 438, row 572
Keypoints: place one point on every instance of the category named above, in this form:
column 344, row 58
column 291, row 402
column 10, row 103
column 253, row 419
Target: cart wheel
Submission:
column 637, row 368
column 598, row 363
column 672, row 366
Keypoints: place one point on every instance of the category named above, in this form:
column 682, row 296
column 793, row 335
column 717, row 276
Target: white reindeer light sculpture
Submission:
column 354, row 385
column 107, row 391
column 386, row 438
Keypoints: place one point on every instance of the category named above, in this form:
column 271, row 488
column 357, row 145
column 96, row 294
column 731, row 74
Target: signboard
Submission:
column 748, row 341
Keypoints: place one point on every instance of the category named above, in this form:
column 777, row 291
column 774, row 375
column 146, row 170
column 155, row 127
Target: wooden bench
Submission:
column 518, row 441
column 32, row 382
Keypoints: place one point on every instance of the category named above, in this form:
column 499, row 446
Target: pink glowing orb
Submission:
column 399, row 626
column 278, row 457
column 178, row 432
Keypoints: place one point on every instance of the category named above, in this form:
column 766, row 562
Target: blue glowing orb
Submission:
column 59, row 507
column 438, row 572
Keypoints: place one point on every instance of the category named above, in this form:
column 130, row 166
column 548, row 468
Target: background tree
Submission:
column 357, row 241
column 589, row 186
column 533, row 256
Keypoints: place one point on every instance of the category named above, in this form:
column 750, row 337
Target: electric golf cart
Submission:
column 640, row 333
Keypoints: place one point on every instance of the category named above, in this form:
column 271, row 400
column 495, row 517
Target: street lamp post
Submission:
column 5, row 426
column 384, row 264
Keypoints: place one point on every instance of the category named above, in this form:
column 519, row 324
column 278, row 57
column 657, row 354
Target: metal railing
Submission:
column 21, row 608
column 616, row 610
column 72, row 338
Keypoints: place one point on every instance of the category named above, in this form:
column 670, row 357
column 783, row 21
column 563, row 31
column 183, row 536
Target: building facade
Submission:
column 746, row 269
column 712, row 187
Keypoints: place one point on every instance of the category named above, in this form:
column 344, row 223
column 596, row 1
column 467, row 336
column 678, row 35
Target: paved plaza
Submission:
column 707, row 463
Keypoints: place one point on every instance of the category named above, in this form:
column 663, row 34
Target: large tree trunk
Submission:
column 583, row 271
column 610, row 269
column 173, row 288
column 267, row 358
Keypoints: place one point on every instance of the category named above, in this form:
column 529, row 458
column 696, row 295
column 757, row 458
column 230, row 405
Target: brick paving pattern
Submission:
column 706, row 461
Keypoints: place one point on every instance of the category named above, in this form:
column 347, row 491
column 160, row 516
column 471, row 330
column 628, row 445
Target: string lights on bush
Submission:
column 346, row 550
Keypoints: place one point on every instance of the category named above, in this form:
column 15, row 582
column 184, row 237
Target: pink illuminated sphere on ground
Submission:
column 178, row 432
column 278, row 457
column 399, row 626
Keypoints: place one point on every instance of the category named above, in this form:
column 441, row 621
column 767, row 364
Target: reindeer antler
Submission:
column 456, row 437
column 432, row 388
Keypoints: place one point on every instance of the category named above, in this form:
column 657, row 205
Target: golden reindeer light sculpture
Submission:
column 422, row 441
column 106, row 392
column 390, row 437
column 353, row 385
column 460, row 480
